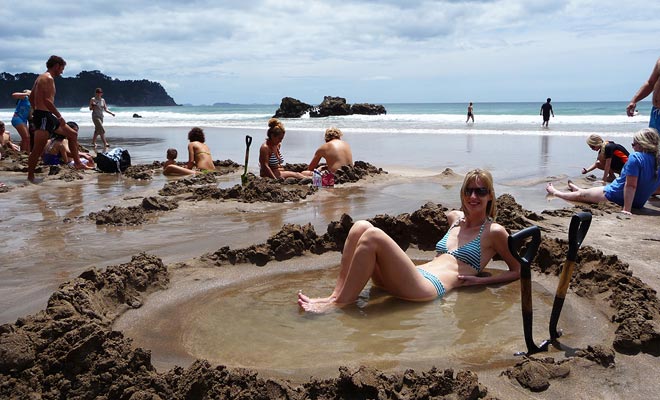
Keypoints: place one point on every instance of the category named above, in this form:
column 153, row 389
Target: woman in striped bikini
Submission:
column 271, row 161
column 369, row 253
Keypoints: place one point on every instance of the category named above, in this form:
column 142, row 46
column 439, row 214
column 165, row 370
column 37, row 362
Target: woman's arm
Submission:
column 19, row 95
column 500, row 240
column 606, row 168
column 264, row 152
column 191, row 156
column 315, row 161
column 629, row 190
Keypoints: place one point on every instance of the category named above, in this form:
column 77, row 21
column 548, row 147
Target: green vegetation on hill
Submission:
column 76, row 92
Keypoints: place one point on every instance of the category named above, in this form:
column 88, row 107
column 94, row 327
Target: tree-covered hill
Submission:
column 76, row 92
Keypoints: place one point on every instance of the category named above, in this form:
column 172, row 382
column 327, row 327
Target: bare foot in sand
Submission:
column 306, row 299
column 317, row 308
column 81, row 166
column 550, row 189
column 572, row 187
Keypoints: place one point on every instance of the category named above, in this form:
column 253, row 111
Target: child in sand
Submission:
column 170, row 167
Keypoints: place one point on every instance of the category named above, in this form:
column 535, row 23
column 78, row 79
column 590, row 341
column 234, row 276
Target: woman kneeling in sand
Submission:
column 199, row 156
column 369, row 253
column 639, row 179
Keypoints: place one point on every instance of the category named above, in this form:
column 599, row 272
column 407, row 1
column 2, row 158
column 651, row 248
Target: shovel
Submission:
column 576, row 233
column 248, row 142
column 515, row 242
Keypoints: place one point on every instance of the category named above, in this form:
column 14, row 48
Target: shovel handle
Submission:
column 516, row 241
column 248, row 140
column 576, row 232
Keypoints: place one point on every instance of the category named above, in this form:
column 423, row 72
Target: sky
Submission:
column 249, row 51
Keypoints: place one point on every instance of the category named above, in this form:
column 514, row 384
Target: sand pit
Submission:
column 70, row 349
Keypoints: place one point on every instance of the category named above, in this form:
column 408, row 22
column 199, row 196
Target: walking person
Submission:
column 21, row 117
column 47, row 119
column 98, row 106
column 470, row 113
column 546, row 110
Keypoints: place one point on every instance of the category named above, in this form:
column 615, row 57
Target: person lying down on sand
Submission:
column 462, row 254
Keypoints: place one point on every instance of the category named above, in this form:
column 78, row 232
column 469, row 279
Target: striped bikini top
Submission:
column 275, row 159
column 469, row 253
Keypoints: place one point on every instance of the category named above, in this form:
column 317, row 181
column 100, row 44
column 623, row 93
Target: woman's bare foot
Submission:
column 318, row 300
column 317, row 308
column 550, row 189
column 572, row 187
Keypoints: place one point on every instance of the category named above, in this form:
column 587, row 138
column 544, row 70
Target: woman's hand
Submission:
column 469, row 280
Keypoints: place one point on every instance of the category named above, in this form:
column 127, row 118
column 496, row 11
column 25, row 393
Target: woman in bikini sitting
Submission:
column 369, row 253
column 199, row 156
column 270, row 159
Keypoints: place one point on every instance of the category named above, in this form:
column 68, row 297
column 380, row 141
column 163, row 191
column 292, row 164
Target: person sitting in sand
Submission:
column 271, row 162
column 5, row 139
column 335, row 151
column 611, row 157
column 170, row 167
column 639, row 179
column 57, row 151
column 473, row 237
column 199, row 154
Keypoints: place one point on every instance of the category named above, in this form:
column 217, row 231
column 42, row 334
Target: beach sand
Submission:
column 48, row 241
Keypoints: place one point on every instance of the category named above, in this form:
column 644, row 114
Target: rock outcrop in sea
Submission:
column 331, row 106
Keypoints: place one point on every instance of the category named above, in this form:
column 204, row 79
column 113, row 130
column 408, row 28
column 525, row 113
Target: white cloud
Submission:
column 260, row 51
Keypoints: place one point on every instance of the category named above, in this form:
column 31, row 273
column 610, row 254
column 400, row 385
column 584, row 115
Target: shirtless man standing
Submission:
column 650, row 86
column 47, row 119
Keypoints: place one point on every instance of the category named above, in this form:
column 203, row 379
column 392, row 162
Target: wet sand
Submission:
column 49, row 244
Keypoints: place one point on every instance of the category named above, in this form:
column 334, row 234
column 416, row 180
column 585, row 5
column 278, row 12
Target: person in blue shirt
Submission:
column 639, row 179
column 21, row 117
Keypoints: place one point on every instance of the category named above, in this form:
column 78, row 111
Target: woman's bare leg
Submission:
column 589, row 195
column 350, row 245
column 376, row 250
column 22, row 130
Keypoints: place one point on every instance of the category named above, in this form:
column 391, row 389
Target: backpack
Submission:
column 115, row 160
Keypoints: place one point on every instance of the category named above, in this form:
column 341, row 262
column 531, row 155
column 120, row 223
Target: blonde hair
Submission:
column 486, row 179
column 595, row 141
column 275, row 128
column 333, row 133
column 648, row 139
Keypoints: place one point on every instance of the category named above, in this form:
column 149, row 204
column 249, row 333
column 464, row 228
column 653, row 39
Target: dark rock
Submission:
column 292, row 108
column 368, row 109
column 331, row 106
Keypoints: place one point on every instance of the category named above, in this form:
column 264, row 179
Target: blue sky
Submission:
column 250, row 51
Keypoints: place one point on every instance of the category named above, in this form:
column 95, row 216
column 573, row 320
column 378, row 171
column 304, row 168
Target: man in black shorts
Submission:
column 47, row 119
column 546, row 110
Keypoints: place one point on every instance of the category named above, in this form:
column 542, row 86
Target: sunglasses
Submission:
column 480, row 191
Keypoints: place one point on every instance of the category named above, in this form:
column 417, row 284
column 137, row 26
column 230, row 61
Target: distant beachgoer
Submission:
column 611, row 157
column 199, row 154
column 98, row 106
column 474, row 239
column 470, row 113
column 21, row 117
column 652, row 85
column 546, row 110
column 271, row 162
column 47, row 119
column 170, row 167
column 335, row 151
column 639, row 179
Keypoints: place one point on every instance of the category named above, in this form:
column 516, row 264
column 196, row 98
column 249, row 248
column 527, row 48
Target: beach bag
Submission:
column 115, row 160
